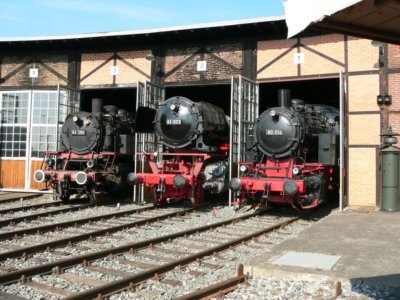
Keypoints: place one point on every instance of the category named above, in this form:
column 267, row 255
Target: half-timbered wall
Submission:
column 322, row 55
column 52, row 70
column 325, row 56
column 222, row 61
column 129, row 68
column 369, row 68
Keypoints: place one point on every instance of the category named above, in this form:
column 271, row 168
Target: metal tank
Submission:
column 390, row 174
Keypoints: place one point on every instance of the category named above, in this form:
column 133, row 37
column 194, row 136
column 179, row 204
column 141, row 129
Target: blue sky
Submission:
column 59, row 17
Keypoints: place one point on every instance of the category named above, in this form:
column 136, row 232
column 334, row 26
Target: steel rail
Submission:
column 49, row 227
column 72, row 261
column 217, row 289
column 78, row 238
column 124, row 283
column 32, row 206
column 14, row 221
column 17, row 198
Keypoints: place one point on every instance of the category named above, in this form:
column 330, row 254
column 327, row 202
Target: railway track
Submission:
column 7, row 197
column 131, row 219
column 117, row 269
column 35, row 212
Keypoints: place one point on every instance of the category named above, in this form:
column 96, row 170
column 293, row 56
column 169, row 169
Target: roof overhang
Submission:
column 372, row 19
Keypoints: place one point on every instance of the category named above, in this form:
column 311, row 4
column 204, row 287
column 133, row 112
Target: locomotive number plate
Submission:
column 78, row 132
column 174, row 122
column 275, row 132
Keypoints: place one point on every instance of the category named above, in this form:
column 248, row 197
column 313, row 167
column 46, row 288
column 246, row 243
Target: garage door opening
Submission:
column 219, row 95
column 315, row 91
column 318, row 91
column 123, row 98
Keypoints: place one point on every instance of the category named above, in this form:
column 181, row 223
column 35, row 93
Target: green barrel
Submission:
column 390, row 180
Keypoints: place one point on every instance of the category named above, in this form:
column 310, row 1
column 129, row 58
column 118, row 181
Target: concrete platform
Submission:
column 367, row 243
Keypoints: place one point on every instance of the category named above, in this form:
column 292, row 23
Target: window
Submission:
column 14, row 124
column 34, row 113
column 44, row 123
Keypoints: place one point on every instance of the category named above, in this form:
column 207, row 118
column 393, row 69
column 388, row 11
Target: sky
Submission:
column 62, row 17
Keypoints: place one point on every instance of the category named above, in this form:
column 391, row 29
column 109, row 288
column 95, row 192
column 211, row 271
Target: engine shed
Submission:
column 41, row 78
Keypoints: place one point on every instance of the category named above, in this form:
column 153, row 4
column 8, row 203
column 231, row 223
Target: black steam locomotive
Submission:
column 96, row 152
column 194, row 149
column 291, row 155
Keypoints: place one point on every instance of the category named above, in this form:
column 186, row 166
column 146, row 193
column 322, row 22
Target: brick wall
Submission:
column 53, row 70
column 331, row 46
column 322, row 55
column 363, row 90
column 127, row 74
column 394, row 56
column 394, row 91
column 362, row 55
column 268, row 51
column 362, row 176
column 96, row 68
column 223, row 61
column 364, row 129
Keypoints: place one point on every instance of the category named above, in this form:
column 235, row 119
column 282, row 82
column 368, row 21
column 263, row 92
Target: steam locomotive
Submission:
column 291, row 155
column 96, row 154
column 193, row 156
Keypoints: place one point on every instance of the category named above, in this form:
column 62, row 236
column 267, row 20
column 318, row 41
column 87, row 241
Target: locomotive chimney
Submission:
column 97, row 105
column 284, row 98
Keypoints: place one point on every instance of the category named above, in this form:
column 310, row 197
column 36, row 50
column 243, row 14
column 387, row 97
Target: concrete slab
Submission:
column 368, row 244
column 307, row 260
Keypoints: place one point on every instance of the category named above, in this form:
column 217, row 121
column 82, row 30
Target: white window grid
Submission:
column 44, row 122
column 14, row 108
column 15, row 127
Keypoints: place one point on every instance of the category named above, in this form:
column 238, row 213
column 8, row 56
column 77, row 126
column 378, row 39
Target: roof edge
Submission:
column 144, row 31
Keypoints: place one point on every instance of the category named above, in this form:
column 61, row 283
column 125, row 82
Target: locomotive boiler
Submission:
column 192, row 158
column 291, row 155
column 96, row 152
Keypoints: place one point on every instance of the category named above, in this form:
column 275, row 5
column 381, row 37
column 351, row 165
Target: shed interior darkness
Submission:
column 318, row 91
column 219, row 95
column 122, row 98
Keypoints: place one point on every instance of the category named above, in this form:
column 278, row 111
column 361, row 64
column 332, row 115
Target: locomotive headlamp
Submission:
column 90, row 163
column 290, row 187
column 41, row 176
column 174, row 107
column 235, row 184
column 179, row 181
column 296, row 170
column 243, row 168
column 50, row 162
column 75, row 119
column 273, row 113
column 132, row 178
column 81, row 178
